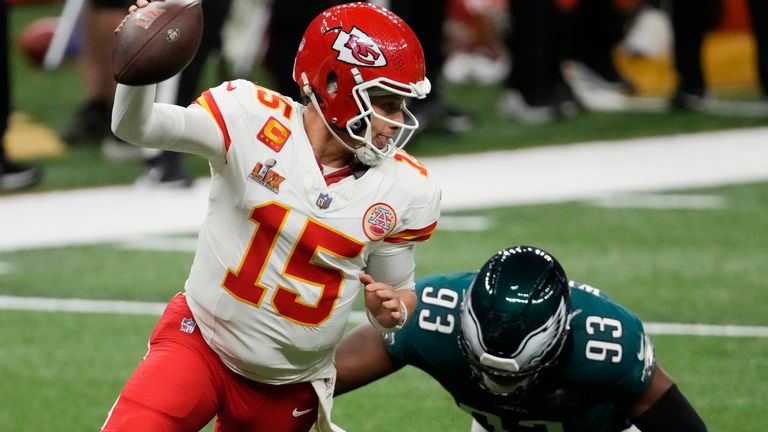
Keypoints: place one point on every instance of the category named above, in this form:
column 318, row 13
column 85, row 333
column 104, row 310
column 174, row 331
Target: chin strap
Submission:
column 363, row 153
column 367, row 156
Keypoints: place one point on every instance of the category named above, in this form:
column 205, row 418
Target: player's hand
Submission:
column 139, row 4
column 382, row 302
column 131, row 9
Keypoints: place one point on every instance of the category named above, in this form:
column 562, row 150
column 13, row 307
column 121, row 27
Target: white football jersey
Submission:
column 275, row 274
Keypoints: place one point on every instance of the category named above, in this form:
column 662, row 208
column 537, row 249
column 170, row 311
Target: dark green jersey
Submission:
column 608, row 361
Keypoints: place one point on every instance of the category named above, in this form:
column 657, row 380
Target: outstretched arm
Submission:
column 361, row 358
column 138, row 119
column 662, row 407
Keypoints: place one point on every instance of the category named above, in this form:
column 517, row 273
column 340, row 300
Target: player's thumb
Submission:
column 366, row 279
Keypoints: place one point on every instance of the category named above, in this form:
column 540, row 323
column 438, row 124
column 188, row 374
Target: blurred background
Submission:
column 619, row 82
column 626, row 137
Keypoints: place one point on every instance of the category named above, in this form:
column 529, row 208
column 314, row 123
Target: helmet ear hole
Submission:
column 356, row 126
column 332, row 84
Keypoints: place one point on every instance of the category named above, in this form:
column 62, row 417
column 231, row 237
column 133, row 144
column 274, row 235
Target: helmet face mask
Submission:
column 360, row 126
column 514, row 321
column 340, row 66
column 503, row 385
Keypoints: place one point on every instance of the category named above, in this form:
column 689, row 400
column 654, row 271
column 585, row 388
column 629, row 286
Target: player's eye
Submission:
column 388, row 104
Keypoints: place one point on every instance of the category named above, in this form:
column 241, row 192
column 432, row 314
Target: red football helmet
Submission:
column 352, row 49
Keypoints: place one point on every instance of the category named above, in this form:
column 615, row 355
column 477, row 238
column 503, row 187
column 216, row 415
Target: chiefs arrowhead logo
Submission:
column 359, row 49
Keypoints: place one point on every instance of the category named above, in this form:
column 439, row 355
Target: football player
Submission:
column 306, row 202
column 519, row 347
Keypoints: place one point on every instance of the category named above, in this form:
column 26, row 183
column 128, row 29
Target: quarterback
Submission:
column 520, row 348
column 309, row 202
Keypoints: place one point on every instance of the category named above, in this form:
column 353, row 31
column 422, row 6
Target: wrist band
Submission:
column 400, row 324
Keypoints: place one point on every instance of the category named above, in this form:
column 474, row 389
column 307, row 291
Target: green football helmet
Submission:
column 514, row 318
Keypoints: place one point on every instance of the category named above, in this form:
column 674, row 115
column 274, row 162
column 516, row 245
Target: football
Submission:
column 36, row 37
column 157, row 41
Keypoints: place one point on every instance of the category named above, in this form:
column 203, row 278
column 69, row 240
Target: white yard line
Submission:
column 659, row 201
column 41, row 304
column 583, row 171
column 596, row 169
column 706, row 330
column 44, row 304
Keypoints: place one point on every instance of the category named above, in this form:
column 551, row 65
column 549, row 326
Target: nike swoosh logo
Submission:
column 230, row 87
column 297, row 413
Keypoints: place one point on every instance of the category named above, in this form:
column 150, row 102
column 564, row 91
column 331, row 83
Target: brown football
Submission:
column 157, row 41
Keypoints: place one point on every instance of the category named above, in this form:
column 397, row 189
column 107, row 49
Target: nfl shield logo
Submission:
column 188, row 325
column 324, row 201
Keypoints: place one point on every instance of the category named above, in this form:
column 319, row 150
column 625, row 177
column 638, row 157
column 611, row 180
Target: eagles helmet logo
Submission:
column 358, row 48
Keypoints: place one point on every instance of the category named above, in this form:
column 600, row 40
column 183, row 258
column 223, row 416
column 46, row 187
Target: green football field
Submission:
column 61, row 371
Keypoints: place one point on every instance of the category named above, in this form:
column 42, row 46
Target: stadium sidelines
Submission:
column 586, row 171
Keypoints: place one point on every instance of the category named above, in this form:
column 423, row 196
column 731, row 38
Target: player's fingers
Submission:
column 384, row 293
column 366, row 279
column 376, row 287
column 122, row 23
column 392, row 304
column 372, row 299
